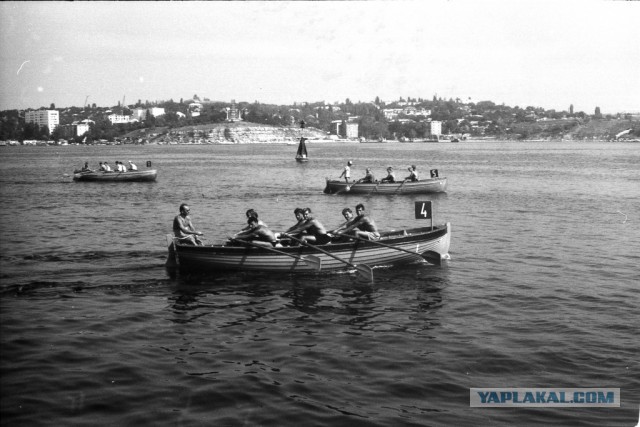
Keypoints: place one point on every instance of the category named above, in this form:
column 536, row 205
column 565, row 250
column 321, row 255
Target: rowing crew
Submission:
column 307, row 229
column 370, row 178
column 104, row 167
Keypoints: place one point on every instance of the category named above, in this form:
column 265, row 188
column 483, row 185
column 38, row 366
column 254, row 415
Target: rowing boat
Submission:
column 423, row 186
column 129, row 176
column 393, row 247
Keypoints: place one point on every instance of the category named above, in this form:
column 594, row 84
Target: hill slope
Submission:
column 227, row 133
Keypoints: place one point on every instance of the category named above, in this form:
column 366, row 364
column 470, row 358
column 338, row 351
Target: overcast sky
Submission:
column 546, row 54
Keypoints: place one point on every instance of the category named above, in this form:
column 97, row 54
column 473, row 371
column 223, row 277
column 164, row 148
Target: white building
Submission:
column 156, row 111
column 117, row 118
column 49, row 118
column 435, row 128
column 233, row 114
column 344, row 129
column 195, row 108
column 139, row 114
column 74, row 129
column 392, row 113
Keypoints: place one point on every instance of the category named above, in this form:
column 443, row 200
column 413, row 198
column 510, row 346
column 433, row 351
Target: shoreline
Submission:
column 314, row 142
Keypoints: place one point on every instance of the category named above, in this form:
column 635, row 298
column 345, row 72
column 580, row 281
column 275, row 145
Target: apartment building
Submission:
column 435, row 128
column 49, row 118
column 117, row 118
column 74, row 129
column 140, row 114
column 156, row 111
column 344, row 129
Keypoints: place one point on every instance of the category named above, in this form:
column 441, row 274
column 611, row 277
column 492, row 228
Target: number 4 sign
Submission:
column 424, row 210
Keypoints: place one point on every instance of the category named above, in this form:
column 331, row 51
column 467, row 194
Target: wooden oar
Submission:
column 375, row 242
column 374, row 189
column 347, row 188
column 312, row 260
column 399, row 188
column 364, row 270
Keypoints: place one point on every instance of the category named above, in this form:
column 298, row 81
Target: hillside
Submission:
column 226, row 133
column 572, row 129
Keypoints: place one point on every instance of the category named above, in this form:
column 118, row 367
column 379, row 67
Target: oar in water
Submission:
column 374, row 189
column 399, row 188
column 347, row 188
column 364, row 270
column 375, row 242
column 311, row 260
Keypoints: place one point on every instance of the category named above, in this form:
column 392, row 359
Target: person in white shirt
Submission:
column 413, row 174
column 107, row 168
column 132, row 167
column 347, row 171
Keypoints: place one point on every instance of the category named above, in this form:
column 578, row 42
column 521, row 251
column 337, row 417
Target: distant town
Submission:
column 202, row 121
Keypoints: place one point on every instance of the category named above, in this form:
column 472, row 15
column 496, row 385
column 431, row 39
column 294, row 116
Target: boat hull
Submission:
column 425, row 186
column 129, row 176
column 423, row 243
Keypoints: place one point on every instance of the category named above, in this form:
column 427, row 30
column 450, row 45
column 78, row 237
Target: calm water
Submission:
column 541, row 290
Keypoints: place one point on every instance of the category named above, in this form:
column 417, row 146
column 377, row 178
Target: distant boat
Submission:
column 301, row 155
column 129, row 176
column 424, row 186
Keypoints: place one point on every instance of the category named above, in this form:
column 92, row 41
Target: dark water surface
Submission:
column 541, row 290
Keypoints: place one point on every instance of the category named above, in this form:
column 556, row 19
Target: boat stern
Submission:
column 327, row 188
column 441, row 252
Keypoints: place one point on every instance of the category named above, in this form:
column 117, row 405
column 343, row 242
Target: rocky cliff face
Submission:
column 237, row 133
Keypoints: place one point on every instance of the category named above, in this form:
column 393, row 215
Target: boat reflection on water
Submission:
column 412, row 293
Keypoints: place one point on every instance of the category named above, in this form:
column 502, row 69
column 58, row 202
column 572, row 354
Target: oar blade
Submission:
column 313, row 261
column 432, row 257
column 365, row 272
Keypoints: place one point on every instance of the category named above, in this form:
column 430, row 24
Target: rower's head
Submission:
column 389, row 169
column 184, row 209
column 298, row 212
column 359, row 209
column 349, row 163
column 252, row 212
column 347, row 213
column 252, row 221
column 307, row 213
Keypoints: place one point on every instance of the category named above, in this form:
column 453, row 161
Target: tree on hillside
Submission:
column 598, row 114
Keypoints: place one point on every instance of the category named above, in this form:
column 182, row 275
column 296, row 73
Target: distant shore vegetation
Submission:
column 402, row 120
